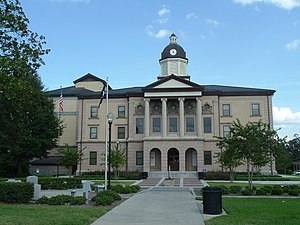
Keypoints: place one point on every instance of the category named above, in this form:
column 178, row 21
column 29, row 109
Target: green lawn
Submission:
column 260, row 211
column 15, row 214
column 228, row 184
column 126, row 183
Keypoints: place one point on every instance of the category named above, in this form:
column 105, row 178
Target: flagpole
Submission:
column 106, row 136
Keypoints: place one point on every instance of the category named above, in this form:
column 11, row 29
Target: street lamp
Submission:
column 110, row 119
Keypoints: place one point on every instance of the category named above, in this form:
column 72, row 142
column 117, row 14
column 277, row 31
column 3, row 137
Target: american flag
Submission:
column 61, row 102
column 103, row 92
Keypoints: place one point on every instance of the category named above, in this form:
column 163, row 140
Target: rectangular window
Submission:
column 156, row 124
column 121, row 132
column 93, row 158
column 226, row 131
column 94, row 112
column 139, row 125
column 139, row 158
column 226, row 109
column 207, row 158
column 172, row 124
column 93, row 132
column 190, row 124
column 121, row 111
column 207, row 124
column 255, row 109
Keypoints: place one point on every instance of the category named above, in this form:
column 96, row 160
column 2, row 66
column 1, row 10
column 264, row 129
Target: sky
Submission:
column 247, row 43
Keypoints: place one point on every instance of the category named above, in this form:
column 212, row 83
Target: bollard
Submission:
column 73, row 193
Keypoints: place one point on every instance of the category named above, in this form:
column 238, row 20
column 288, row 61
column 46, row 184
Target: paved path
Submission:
column 176, row 207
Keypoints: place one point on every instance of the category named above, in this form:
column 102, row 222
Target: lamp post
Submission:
column 110, row 119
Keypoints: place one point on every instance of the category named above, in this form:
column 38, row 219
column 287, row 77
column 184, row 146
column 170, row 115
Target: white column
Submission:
column 181, row 116
column 164, row 117
column 199, row 117
column 147, row 117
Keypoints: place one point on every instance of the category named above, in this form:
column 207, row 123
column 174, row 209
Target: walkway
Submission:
column 176, row 207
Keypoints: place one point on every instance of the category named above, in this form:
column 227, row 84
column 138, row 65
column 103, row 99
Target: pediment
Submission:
column 173, row 82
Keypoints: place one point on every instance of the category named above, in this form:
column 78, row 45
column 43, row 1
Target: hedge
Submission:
column 59, row 183
column 11, row 192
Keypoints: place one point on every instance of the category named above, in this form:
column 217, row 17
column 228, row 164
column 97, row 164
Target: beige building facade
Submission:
column 168, row 125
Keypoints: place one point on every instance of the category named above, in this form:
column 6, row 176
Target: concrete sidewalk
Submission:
column 155, row 207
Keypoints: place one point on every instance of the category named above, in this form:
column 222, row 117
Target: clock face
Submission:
column 173, row 51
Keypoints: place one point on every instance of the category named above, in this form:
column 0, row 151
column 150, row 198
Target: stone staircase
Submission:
column 173, row 174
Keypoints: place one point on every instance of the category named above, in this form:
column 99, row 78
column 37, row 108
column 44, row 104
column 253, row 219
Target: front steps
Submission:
column 166, row 183
column 173, row 174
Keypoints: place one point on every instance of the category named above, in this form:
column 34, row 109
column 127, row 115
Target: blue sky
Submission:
column 252, row 43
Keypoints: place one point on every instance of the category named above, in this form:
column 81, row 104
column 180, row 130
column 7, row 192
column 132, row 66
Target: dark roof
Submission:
column 72, row 91
column 166, row 52
column 235, row 91
column 50, row 160
column 207, row 90
column 89, row 77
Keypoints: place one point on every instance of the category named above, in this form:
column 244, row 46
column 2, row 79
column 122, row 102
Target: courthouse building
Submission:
column 169, row 124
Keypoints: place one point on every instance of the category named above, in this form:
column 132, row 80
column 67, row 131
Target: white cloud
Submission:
column 164, row 11
column 159, row 34
column 212, row 22
column 293, row 44
column 285, row 116
column 287, row 121
column 163, row 20
column 284, row 4
column 191, row 15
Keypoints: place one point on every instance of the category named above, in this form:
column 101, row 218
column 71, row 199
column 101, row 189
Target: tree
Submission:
column 251, row 143
column 118, row 160
column 28, row 126
column 228, row 157
column 294, row 147
column 70, row 157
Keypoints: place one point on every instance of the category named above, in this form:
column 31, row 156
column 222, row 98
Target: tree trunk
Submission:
column 248, row 171
column 19, row 169
column 231, row 174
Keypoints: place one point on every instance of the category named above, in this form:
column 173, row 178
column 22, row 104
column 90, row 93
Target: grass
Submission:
column 126, row 183
column 18, row 214
column 228, row 184
column 259, row 211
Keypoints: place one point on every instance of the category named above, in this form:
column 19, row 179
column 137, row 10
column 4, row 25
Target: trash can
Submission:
column 144, row 175
column 212, row 200
column 201, row 175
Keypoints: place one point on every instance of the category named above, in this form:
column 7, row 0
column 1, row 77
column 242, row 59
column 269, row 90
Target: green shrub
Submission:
column 225, row 189
column 235, row 189
column 78, row 200
column 60, row 200
column 125, row 190
column 293, row 192
column 42, row 200
column 52, row 183
column 212, row 175
column 134, row 188
column 106, row 197
column 267, row 188
column 277, row 190
column 104, row 200
column 261, row 191
column 16, row 192
column 247, row 192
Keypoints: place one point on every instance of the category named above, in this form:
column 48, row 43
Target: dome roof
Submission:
column 169, row 53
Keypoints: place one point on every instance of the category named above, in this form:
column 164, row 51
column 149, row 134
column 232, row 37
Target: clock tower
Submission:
column 173, row 60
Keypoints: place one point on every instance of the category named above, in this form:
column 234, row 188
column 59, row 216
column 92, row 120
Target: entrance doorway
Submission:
column 191, row 160
column 173, row 159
